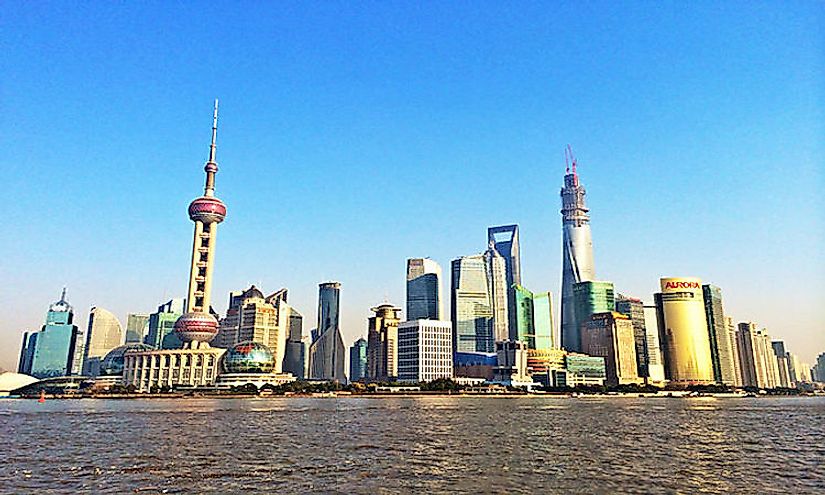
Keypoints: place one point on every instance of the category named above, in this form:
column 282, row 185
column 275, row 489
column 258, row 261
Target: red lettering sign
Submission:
column 682, row 285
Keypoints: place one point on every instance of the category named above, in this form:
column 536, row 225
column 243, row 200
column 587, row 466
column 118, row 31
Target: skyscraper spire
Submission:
column 211, row 167
column 63, row 294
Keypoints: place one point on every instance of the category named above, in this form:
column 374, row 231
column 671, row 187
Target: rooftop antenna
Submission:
column 567, row 161
column 214, row 133
column 211, row 167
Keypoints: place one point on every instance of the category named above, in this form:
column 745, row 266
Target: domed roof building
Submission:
column 253, row 292
column 250, row 363
column 249, row 357
column 112, row 363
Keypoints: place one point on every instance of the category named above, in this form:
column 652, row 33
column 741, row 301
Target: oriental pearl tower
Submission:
column 197, row 326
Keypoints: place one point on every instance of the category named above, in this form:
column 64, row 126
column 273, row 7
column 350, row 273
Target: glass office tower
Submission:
column 634, row 308
column 57, row 349
column 589, row 298
column 423, row 289
column 161, row 334
column 505, row 240
column 472, row 308
column 721, row 348
column 534, row 318
column 137, row 327
column 327, row 354
column 496, row 267
column 358, row 360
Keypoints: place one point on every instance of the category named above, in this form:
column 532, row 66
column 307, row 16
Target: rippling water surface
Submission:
column 425, row 445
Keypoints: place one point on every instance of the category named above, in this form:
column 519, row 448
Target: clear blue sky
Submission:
column 355, row 135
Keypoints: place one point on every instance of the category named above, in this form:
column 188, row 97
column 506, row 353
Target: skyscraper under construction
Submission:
column 577, row 251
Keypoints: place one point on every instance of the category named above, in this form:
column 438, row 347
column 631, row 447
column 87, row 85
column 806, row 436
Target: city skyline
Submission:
column 694, row 186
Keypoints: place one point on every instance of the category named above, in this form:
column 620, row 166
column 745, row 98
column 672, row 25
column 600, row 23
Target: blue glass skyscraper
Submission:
column 327, row 355
column 504, row 239
column 52, row 351
column 358, row 360
column 423, row 289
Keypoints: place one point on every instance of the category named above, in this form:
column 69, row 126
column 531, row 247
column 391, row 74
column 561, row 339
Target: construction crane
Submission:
column 569, row 158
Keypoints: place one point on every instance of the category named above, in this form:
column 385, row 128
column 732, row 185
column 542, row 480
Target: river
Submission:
column 539, row 445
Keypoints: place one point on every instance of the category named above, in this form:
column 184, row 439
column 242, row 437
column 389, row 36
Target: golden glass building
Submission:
column 683, row 331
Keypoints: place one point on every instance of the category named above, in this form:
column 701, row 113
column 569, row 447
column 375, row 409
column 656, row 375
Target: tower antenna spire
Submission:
column 211, row 167
column 214, row 133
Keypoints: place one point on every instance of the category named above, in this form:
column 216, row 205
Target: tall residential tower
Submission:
column 577, row 252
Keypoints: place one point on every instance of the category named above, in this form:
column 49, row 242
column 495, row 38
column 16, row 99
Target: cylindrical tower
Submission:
column 684, row 331
column 207, row 211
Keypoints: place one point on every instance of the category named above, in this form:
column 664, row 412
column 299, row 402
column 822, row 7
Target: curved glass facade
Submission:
column 684, row 331
column 249, row 357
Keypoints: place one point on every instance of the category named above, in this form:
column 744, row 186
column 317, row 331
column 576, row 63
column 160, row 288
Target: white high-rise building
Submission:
column 655, row 366
column 757, row 359
column 425, row 350
column 737, row 362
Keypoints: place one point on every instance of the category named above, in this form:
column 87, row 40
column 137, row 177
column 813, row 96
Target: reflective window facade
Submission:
column 634, row 308
column 358, row 360
column 161, row 334
column 472, row 310
column 327, row 354
column 423, row 289
column 137, row 327
column 57, row 348
column 721, row 348
column 505, row 240
column 534, row 318
column 589, row 297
